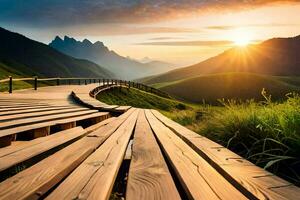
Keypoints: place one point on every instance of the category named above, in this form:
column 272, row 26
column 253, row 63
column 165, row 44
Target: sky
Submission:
column 181, row 32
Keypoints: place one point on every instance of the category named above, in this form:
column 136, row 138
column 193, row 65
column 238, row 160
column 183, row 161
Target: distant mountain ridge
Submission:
column 97, row 52
column 278, row 56
column 21, row 55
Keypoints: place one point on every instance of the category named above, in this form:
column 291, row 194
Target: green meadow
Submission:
column 265, row 132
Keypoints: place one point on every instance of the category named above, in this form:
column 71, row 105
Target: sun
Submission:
column 242, row 41
column 242, row 37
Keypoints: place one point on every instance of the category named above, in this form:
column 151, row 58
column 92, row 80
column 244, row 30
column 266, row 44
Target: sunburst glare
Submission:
column 242, row 37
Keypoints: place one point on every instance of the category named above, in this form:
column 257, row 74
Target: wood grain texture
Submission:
column 252, row 181
column 32, row 120
column 199, row 179
column 20, row 129
column 38, row 114
column 100, row 124
column 149, row 177
column 34, row 110
column 33, row 148
column 95, row 177
column 41, row 177
column 22, row 108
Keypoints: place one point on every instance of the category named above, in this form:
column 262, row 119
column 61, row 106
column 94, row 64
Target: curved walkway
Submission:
column 167, row 160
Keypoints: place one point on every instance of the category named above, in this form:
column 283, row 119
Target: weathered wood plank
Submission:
column 252, row 181
column 98, row 125
column 33, row 148
column 32, row 120
column 149, row 177
column 34, row 110
column 95, row 177
column 24, row 128
column 35, row 181
column 39, row 114
column 22, row 108
column 199, row 179
column 122, row 108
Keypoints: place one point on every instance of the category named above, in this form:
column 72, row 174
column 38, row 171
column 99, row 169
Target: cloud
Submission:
column 166, row 38
column 45, row 13
column 120, row 29
column 229, row 27
column 190, row 43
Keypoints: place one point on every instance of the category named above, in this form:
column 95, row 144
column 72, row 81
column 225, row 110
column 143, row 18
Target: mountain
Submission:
column 124, row 68
column 235, row 85
column 278, row 56
column 25, row 57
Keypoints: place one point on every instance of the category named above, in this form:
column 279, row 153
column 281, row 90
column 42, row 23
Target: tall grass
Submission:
column 266, row 133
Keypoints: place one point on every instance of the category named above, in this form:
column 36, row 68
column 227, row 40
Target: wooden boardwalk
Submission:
column 60, row 143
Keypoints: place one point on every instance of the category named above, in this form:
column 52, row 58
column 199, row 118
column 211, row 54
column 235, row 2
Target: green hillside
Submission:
column 210, row 88
column 140, row 99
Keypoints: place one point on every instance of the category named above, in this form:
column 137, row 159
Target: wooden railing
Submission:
column 79, row 81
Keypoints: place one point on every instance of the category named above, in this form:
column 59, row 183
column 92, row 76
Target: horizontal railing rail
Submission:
column 78, row 81
column 121, row 83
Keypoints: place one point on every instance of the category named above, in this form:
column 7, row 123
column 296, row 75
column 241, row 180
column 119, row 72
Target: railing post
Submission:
column 57, row 81
column 10, row 84
column 85, row 81
column 79, row 82
column 35, row 83
column 90, row 80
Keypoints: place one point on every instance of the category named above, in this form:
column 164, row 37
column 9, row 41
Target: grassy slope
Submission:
column 266, row 133
column 229, row 86
column 6, row 71
column 136, row 98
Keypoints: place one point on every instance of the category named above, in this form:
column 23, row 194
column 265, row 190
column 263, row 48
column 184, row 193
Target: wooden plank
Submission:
column 108, row 107
column 34, row 110
column 149, row 177
column 95, row 177
column 11, row 149
column 198, row 178
column 122, row 108
column 32, row 120
column 252, row 181
column 38, row 114
column 36, row 147
column 12, row 104
column 100, row 124
column 35, row 181
column 23, row 128
column 23, row 108
column 291, row 191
